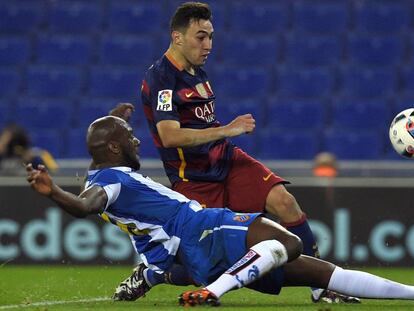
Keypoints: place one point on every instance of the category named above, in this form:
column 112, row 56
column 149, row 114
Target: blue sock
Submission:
column 176, row 275
column 301, row 229
column 153, row 278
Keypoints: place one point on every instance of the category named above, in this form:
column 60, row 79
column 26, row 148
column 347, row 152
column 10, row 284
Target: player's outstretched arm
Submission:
column 90, row 201
column 172, row 135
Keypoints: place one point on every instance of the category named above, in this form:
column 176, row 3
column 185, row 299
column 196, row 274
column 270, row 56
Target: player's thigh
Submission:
column 249, row 183
column 281, row 203
column 308, row 271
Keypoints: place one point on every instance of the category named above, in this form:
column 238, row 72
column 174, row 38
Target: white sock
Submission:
column 316, row 292
column 365, row 285
column 260, row 259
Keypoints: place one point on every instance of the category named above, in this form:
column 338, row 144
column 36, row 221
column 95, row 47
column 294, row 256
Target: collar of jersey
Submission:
column 118, row 168
column 172, row 60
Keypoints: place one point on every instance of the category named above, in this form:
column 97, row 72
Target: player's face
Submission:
column 130, row 147
column 197, row 42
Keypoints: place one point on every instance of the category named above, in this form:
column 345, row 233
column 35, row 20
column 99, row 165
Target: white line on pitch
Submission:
column 52, row 303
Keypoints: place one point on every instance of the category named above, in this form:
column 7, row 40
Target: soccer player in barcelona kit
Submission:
column 198, row 157
column 220, row 249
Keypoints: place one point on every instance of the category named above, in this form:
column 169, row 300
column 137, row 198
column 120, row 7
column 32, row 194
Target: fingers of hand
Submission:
column 29, row 167
column 130, row 106
column 120, row 109
column 128, row 112
column 33, row 175
column 249, row 126
column 124, row 106
column 247, row 116
column 250, row 123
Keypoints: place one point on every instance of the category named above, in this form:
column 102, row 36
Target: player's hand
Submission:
column 39, row 179
column 123, row 111
column 240, row 125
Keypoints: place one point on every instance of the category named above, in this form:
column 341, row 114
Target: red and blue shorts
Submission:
column 244, row 190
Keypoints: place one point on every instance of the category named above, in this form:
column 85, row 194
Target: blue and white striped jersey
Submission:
column 151, row 213
column 163, row 223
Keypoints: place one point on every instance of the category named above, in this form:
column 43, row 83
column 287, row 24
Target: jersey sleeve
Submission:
column 109, row 182
column 160, row 93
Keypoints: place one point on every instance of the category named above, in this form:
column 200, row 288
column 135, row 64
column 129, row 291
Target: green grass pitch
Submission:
column 62, row 287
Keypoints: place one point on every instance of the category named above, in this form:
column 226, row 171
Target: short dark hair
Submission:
column 187, row 12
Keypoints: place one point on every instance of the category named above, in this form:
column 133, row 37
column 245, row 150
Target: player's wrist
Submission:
column 224, row 132
column 53, row 192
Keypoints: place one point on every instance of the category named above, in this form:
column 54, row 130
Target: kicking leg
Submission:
column 282, row 204
column 308, row 271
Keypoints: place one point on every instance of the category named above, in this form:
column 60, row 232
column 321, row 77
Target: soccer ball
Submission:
column 402, row 133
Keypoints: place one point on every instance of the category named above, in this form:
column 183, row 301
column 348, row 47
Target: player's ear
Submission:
column 114, row 147
column 177, row 37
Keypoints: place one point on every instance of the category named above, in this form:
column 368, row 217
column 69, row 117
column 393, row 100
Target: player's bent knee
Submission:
column 280, row 198
column 293, row 245
column 283, row 204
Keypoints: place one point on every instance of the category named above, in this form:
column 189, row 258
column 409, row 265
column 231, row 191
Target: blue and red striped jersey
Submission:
column 170, row 93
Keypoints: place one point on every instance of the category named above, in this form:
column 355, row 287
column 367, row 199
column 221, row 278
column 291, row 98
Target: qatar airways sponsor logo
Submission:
column 206, row 112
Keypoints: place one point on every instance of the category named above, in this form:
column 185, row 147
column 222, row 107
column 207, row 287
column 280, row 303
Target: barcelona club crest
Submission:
column 201, row 89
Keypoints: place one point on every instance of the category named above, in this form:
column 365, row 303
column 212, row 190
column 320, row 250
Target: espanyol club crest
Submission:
column 241, row 218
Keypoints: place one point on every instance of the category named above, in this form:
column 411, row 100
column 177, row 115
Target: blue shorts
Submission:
column 213, row 240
